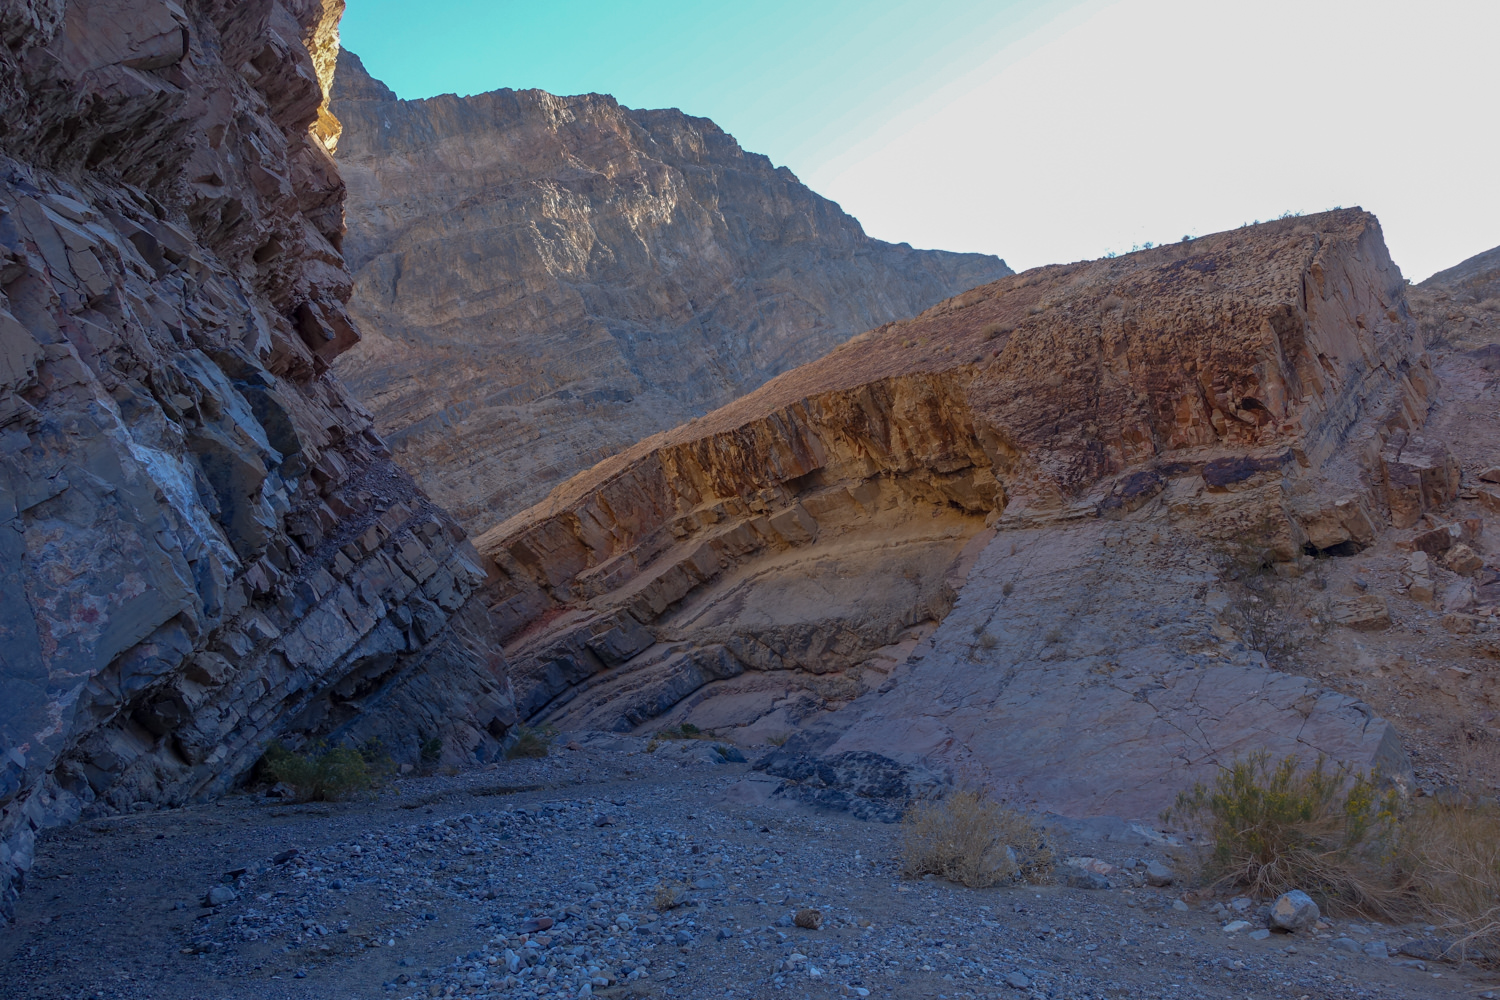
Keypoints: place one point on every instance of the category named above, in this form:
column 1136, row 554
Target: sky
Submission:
column 1038, row 130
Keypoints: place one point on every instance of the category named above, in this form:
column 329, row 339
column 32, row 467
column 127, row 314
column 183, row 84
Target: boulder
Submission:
column 1294, row 911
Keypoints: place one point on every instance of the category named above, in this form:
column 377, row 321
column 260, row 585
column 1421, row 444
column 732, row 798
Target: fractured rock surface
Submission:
column 543, row 281
column 1040, row 489
column 203, row 544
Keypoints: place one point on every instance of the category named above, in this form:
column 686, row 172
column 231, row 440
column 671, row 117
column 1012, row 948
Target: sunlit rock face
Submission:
column 545, row 280
column 994, row 541
column 203, row 544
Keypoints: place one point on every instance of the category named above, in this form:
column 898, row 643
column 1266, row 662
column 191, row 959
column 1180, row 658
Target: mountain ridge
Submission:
column 608, row 273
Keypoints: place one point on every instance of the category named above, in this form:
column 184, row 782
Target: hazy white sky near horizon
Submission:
column 1038, row 130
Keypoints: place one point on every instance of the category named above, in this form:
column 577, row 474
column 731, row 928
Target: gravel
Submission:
column 502, row 882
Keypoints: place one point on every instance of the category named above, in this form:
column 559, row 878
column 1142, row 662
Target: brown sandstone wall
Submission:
column 1242, row 394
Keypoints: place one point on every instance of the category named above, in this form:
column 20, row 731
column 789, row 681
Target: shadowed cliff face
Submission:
column 990, row 538
column 545, row 280
column 203, row 544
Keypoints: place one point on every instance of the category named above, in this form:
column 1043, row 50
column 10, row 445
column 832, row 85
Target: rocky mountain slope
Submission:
column 205, row 545
column 543, row 281
column 1052, row 536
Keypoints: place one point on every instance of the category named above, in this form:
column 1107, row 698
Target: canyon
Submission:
column 542, row 281
column 879, row 520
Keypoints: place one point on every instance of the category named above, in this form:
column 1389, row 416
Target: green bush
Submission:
column 1277, row 827
column 321, row 773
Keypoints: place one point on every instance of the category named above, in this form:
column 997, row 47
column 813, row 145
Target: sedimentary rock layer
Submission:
column 203, row 544
column 1033, row 486
column 545, row 280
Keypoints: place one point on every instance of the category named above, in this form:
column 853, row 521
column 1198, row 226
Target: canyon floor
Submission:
column 445, row 883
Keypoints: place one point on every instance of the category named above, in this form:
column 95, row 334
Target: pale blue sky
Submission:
column 1039, row 130
column 799, row 80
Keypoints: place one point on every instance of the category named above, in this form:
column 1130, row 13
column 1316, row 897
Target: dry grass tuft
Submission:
column 973, row 840
column 669, row 896
column 1278, row 827
column 1451, row 852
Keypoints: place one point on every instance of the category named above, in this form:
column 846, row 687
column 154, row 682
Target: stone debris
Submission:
column 1364, row 613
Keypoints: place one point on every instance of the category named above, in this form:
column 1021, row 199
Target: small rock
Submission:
column 1241, row 904
column 1094, row 865
column 1463, row 560
column 604, row 819
column 1087, row 880
column 809, row 919
column 682, row 937
column 1346, row 944
column 1235, row 926
column 1017, row 981
column 537, row 924
column 1178, row 904
column 1376, row 949
column 1294, row 911
column 1159, row 874
column 219, row 895
column 1429, row 950
column 1259, row 934
column 285, row 856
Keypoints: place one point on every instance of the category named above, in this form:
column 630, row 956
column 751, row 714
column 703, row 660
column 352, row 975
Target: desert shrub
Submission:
column 1450, row 853
column 320, row 773
column 431, row 750
column 997, row 329
column 531, row 742
column 1274, row 827
column 686, row 731
column 668, row 896
column 973, row 840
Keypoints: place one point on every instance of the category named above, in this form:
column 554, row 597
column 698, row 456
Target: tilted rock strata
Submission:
column 205, row 545
column 1237, row 392
column 544, row 280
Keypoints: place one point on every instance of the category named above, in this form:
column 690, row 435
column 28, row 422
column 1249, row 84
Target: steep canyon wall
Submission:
column 543, row 281
column 203, row 544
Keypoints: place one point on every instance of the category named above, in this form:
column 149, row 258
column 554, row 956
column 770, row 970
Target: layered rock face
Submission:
column 544, row 280
column 991, row 539
column 204, row 544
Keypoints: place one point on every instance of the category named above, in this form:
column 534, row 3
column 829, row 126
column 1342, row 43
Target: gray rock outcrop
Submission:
column 545, row 280
column 203, row 544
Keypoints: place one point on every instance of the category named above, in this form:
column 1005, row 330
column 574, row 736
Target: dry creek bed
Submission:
column 541, row 878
